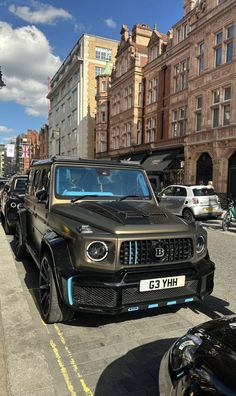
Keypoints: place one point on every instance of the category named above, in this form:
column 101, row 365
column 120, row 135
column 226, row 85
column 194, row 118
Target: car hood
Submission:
column 217, row 354
column 221, row 330
column 122, row 217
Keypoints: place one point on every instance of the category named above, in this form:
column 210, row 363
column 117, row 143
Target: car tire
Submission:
column 20, row 249
column 188, row 215
column 53, row 310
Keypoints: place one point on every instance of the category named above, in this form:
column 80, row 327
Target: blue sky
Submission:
column 36, row 36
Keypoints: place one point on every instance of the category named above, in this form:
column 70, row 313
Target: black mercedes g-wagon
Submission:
column 102, row 244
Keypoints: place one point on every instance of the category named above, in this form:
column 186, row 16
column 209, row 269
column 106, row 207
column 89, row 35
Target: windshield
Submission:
column 20, row 185
column 75, row 181
column 204, row 191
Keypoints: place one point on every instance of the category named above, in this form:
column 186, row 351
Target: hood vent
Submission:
column 123, row 213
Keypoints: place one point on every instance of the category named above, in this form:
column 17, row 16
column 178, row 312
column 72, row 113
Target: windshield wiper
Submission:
column 130, row 196
column 84, row 196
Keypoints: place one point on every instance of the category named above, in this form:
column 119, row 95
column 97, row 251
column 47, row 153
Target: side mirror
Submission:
column 41, row 195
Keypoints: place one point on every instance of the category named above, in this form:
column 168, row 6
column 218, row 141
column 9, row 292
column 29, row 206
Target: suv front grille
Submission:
column 94, row 296
column 154, row 251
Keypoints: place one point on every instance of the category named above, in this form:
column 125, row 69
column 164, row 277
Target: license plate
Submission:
column 162, row 283
column 209, row 209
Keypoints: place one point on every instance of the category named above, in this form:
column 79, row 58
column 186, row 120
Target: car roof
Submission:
column 189, row 186
column 80, row 161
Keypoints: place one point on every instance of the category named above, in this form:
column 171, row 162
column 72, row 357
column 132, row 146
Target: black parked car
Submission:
column 202, row 362
column 12, row 196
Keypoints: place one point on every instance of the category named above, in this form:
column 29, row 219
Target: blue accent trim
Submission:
column 180, row 374
column 130, row 309
column 136, row 252
column 69, row 288
column 188, row 299
column 153, row 305
column 171, row 302
column 130, row 252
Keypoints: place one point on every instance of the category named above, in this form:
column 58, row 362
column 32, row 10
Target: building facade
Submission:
column 72, row 97
column 175, row 110
column 26, row 149
column 44, row 142
column 2, row 159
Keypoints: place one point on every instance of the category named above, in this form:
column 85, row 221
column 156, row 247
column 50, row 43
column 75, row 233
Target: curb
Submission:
column 25, row 369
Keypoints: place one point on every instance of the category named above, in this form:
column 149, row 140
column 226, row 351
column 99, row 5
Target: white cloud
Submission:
column 79, row 27
column 39, row 13
column 110, row 23
column 27, row 61
column 4, row 129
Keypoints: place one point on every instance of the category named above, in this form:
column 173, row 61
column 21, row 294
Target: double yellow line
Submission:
column 87, row 391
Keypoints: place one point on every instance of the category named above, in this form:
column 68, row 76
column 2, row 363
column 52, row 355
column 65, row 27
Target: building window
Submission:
column 218, row 48
column 139, row 132
column 98, row 71
column 127, row 135
column 151, row 129
column 226, row 115
column 140, row 94
column 103, row 143
column 130, row 96
column 174, row 122
column 229, row 43
column 215, row 108
column 201, row 61
column 181, row 76
column 126, row 98
column 104, row 86
column 103, row 113
column 226, row 106
column 178, row 34
column 103, row 54
column 152, row 90
column 198, row 113
column 179, row 121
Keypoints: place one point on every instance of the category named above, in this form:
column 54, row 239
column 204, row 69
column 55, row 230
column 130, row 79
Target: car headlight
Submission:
column 200, row 244
column 97, row 251
column 13, row 205
column 183, row 351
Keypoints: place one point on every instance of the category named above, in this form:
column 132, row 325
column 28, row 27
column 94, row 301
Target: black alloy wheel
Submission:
column 20, row 249
column 188, row 215
column 53, row 310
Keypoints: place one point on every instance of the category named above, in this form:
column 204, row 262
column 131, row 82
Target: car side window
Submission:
column 169, row 191
column 29, row 187
column 180, row 192
column 44, row 180
column 35, row 182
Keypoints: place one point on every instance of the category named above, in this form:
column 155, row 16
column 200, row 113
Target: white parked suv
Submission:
column 191, row 202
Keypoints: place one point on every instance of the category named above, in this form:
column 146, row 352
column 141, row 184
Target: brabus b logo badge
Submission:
column 159, row 252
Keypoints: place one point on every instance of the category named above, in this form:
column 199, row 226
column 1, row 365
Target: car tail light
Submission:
column 195, row 200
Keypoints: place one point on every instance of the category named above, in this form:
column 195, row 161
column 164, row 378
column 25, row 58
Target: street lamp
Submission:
column 2, row 84
column 59, row 138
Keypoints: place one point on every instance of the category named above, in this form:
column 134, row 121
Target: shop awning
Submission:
column 158, row 162
column 138, row 157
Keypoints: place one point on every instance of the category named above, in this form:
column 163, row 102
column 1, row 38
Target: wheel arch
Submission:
column 57, row 247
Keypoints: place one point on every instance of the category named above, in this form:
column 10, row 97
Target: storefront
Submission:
column 165, row 167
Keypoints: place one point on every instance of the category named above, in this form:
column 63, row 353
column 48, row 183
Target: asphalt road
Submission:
column 102, row 356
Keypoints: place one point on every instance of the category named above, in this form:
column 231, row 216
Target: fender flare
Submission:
column 22, row 218
column 61, row 259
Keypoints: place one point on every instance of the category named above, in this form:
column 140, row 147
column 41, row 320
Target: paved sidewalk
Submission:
column 24, row 370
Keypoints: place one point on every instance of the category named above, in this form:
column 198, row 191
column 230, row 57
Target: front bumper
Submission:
column 119, row 292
